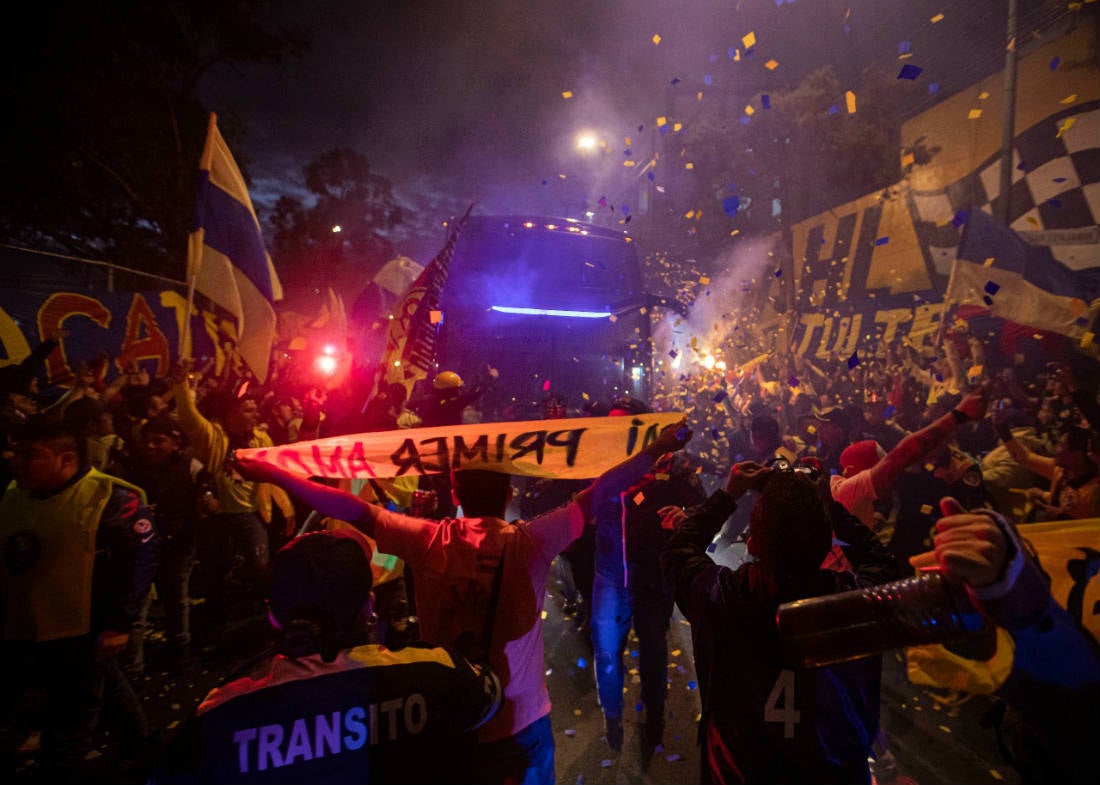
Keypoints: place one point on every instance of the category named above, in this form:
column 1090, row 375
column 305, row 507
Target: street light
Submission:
column 587, row 142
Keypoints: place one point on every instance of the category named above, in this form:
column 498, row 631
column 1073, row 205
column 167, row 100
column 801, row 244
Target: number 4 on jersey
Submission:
column 788, row 715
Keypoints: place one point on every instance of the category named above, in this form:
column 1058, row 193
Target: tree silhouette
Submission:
column 340, row 240
column 107, row 126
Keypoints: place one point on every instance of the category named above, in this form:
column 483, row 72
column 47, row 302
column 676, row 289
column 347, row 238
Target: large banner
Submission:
column 129, row 327
column 874, row 270
column 569, row 449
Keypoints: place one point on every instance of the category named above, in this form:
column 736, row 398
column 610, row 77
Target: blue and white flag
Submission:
column 997, row 271
column 226, row 257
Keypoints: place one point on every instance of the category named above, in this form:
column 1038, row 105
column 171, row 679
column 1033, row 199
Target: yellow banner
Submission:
column 571, row 449
column 1069, row 552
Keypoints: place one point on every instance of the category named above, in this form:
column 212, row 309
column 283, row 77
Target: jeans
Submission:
column 524, row 758
column 613, row 608
column 221, row 538
column 173, row 581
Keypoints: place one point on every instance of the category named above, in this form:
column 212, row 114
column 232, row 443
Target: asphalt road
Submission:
column 937, row 739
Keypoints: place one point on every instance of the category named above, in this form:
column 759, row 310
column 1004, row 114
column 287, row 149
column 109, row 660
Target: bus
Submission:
column 557, row 306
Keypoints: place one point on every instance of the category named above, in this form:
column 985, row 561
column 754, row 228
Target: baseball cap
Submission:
column 861, row 455
column 324, row 576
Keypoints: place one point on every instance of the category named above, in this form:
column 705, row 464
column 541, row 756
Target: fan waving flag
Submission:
column 409, row 355
column 226, row 258
column 996, row 272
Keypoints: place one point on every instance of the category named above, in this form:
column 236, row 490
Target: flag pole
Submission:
column 194, row 241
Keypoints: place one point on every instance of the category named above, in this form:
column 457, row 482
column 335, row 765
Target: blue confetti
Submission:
column 934, row 88
column 714, row 434
column 766, row 101
column 833, row 109
column 582, row 663
column 730, row 205
column 992, row 287
column 961, row 217
column 720, row 396
column 672, row 353
column 732, row 52
column 1057, row 61
column 1054, row 202
column 714, row 58
column 778, row 272
column 675, row 80
column 909, row 71
column 651, row 176
column 744, row 119
column 634, row 653
column 853, row 361
column 707, row 80
column 692, row 685
column 628, row 152
column 987, row 300
column 1059, row 179
column 793, row 381
column 882, row 240
column 712, row 547
column 903, row 47
column 889, row 411
column 639, row 706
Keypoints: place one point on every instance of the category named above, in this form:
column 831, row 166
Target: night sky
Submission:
column 460, row 102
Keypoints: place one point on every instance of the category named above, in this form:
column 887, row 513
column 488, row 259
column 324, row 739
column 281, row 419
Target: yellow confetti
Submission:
column 613, row 318
column 983, row 95
column 771, row 65
column 736, row 55
column 689, row 214
column 850, row 100
column 975, row 371
column 974, row 114
column 576, row 712
column 926, row 509
column 676, row 652
column 945, row 729
column 435, row 317
column 656, row 39
column 689, row 165
column 1069, row 99
column 735, row 232
column 1065, row 126
column 544, row 615
column 566, row 94
column 748, row 40
column 1037, row 336
column 704, row 280
column 584, row 395
column 989, row 262
column 699, row 95
column 662, row 121
column 749, row 110
column 937, row 18
column 907, row 160
column 676, row 127
column 929, row 467
column 995, row 774
column 1087, row 338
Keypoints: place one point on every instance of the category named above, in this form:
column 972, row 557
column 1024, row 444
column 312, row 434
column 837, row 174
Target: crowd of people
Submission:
column 401, row 627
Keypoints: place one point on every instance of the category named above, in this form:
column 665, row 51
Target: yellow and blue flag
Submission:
column 226, row 257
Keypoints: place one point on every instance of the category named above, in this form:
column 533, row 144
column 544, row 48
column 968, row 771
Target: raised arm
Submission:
column 916, row 445
column 621, row 476
column 333, row 502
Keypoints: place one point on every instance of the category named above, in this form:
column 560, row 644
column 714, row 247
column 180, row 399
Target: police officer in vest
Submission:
column 79, row 551
column 331, row 709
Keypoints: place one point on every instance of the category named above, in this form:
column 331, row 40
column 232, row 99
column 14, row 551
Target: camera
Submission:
column 810, row 467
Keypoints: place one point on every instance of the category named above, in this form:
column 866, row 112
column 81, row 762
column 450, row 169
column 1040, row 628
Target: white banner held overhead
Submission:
column 565, row 449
